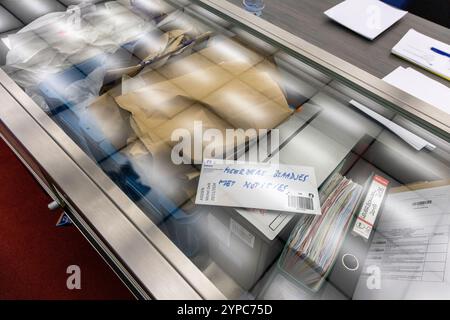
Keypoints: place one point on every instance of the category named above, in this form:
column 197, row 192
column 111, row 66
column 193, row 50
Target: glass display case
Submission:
column 93, row 98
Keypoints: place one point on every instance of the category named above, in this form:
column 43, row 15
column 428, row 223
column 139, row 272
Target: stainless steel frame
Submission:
column 135, row 255
column 140, row 253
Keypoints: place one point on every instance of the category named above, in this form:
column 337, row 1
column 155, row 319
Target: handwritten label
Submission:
column 258, row 186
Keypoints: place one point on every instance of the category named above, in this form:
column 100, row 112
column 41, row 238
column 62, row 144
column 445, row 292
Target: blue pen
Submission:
column 443, row 53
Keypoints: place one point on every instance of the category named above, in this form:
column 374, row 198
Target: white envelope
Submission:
column 258, row 185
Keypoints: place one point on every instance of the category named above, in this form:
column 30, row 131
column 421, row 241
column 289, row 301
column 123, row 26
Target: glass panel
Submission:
column 125, row 80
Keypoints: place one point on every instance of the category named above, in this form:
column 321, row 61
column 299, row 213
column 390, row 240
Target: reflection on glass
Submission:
column 121, row 79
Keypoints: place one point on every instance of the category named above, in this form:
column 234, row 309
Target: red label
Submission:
column 381, row 180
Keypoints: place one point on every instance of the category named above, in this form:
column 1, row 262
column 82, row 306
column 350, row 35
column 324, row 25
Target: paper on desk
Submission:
column 368, row 18
column 417, row 48
column 258, row 185
column 414, row 140
column 410, row 247
column 420, row 86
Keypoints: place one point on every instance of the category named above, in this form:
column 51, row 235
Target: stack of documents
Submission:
column 420, row 86
column 258, row 185
column 316, row 240
column 426, row 52
column 368, row 18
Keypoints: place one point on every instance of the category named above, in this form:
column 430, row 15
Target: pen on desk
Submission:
column 443, row 53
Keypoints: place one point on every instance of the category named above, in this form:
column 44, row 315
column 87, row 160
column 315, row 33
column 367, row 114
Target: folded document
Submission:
column 258, row 185
column 420, row 86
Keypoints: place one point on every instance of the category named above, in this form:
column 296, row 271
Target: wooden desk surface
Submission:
column 305, row 19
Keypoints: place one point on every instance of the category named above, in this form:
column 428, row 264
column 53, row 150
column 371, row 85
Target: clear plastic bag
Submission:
column 62, row 40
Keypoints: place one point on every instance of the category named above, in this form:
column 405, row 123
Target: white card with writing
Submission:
column 258, row 185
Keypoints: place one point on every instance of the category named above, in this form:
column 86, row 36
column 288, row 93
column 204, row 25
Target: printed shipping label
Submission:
column 259, row 186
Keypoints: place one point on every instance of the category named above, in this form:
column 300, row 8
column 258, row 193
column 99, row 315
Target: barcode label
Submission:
column 300, row 203
column 422, row 203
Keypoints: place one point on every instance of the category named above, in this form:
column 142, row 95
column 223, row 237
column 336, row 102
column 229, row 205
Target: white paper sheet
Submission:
column 417, row 48
column 420, row 86
column 410, row 248
column 368, row 18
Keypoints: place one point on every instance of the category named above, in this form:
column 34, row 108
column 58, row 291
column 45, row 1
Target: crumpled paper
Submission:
column 225, row 86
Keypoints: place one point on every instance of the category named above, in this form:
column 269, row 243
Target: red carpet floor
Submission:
column 34, row 254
